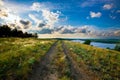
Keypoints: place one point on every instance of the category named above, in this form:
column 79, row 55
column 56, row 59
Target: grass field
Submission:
column 18, row 55
column 103, row 62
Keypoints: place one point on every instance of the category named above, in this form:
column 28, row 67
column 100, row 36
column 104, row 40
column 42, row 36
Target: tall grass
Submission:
column 17, row 56
column 103, row 62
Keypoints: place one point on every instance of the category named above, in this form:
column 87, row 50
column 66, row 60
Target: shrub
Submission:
column 87, row 42
column 117, row 47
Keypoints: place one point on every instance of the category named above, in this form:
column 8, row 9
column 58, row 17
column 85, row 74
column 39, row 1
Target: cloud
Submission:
column 65, row 18
column 117, row 33
column 108, row 6
column 112, row 17
column 7, row 14
column 81, row 31
column 87, row 3
column 36, row 6
column 16, row 7
column 65, row 29
column 57, row 35
column 45, row 31
column 12, row 18
column 118, row 11
column 50, row 17
column 1, row 3
column 48, row 21
column 26, row 24
column 3, row 13
column 47, row 18
column 20, row 25
column 34, row 18
column 90, row 3
column 44, row 22
column 95, row 15
column 41, row 25
column 42, row 30
column 110, row 33
column 68, row 29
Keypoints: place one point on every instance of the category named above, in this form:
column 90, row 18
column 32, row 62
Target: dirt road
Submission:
column 45, row 71
column 78, row 72
column 57, row 64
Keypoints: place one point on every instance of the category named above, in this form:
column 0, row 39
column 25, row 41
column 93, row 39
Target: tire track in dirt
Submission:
column 50, row 68
column 44, row 70
column 76, row 72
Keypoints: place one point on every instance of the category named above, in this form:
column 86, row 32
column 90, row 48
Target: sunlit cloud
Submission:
column 108, row 6
column 46, row 19
column 50, row 17
column 33, row 17
column 1, row 3
column 90, row 3
column 95, row 15
column 16, row 7
column 3, row 13
column 117, row 33
column 37, row 6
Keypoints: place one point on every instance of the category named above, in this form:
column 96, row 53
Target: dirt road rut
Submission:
column 57, row 64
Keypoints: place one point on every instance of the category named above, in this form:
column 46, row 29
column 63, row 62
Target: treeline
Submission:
column 6, row 31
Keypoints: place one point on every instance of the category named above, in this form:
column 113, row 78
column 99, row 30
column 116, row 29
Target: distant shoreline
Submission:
column 112, row 41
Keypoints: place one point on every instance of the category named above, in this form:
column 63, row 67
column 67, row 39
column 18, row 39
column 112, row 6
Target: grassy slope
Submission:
column 105, row 63
column 17, row 56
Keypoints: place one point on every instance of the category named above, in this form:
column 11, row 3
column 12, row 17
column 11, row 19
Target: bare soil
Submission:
column 78, row 72
column 46, row 69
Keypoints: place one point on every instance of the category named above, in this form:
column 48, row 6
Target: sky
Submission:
column 63, row 18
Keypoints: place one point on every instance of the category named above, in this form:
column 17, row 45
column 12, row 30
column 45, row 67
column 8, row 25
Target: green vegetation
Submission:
column 61, row 63
column 18, row 55
column 6, row 31
column 112, row 41
column 103, row 62
column 87, row 42
column 117, row 47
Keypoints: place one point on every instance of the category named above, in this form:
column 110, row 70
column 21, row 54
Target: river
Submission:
column 98, row 44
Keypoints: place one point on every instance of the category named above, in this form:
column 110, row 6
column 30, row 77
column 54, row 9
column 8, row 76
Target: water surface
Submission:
column 98, row 44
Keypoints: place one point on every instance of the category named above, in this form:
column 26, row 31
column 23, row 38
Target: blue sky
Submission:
column 63, row 18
